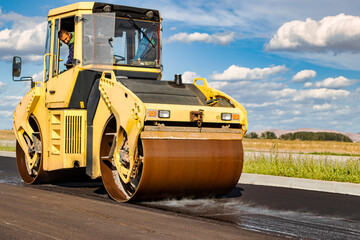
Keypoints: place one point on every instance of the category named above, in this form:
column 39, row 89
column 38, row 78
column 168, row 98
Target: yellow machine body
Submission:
column 117, row 120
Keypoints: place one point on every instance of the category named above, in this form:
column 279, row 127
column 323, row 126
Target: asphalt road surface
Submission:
column 78, row 210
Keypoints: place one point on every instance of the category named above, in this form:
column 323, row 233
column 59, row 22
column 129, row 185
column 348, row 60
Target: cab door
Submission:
column 47, row 52
column 60, row 81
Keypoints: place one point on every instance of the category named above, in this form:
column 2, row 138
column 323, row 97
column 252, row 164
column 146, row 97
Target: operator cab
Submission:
column 107, row 36
column 126, row 40
column 116, row 41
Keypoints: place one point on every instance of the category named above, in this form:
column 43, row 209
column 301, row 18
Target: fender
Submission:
column 22, row 114
column 129, row 112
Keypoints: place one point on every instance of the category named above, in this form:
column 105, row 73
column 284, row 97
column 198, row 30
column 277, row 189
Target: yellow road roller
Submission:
column 108, row 113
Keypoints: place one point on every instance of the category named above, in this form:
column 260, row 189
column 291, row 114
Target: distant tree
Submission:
column 268, row 135
column 287, row 136
column 316, row 136
column 252, row 135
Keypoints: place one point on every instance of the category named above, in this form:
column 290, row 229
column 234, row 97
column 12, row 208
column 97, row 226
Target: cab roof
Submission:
column 71, row 7
column 98, row 7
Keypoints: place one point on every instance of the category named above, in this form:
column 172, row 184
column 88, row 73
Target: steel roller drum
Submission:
column 183, row 165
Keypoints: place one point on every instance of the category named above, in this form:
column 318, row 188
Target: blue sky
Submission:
column 292, row 64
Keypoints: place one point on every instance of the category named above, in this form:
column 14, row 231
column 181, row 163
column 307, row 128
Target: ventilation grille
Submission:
column 73, row 134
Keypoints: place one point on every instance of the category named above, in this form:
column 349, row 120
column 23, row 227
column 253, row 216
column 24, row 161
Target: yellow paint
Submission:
column 64, row 131
column 68, row 139
column 129, row 112
column 211, row 93
column 181, row 113
column 70, row 8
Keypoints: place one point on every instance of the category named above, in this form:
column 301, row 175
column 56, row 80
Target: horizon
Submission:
column 292, row 67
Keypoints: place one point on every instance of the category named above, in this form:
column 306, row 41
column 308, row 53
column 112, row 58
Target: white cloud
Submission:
column 343, row 111
column 26, row 37
column 286, row 92
column 241, row 73
column 6, row 113
column 335, row 83
column 216, row 38
column 9, row 101
column 258, row 105
column 279, row 112
column 321, row 93
column 38, row 77
column 218, row 85
column 266, row 104
column 308, row 84
column 325, row 106
column 344, row 60
column 340, row 33
column 251, row 18
column 188, row 77
column 304, row 76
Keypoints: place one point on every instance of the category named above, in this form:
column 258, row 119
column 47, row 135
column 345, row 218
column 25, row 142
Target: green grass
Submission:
column 8, row 148
column 305, row 167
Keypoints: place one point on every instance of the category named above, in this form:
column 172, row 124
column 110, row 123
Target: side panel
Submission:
column 95, row 129
column 59, row 88
column 67, row 137
column 82, row 88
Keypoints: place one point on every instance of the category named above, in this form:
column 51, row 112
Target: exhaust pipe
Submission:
column 178, row 79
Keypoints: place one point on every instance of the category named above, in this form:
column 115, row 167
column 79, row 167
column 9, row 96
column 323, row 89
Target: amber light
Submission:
column 236, row 116
column 152, row 113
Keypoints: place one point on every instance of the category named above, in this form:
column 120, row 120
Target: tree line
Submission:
column 303, row 136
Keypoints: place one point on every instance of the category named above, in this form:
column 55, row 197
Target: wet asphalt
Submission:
column 276, row 212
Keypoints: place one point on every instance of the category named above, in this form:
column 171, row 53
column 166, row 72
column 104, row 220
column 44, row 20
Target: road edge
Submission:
column 7, row 154
column 301, row 183
column 285, row 182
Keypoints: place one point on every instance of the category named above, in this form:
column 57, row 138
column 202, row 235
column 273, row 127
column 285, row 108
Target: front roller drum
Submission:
column 189, row 167
column 174, row 168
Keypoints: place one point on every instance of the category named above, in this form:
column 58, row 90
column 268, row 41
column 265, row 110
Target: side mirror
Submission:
column 16, row 71
column 16, row 68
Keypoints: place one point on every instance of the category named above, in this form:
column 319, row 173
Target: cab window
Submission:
column 61, row 50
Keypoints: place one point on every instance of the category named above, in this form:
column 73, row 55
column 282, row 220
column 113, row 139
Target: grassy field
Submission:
column 7, row 135
column 7, row 140
column 304, row 166
column 320, row 147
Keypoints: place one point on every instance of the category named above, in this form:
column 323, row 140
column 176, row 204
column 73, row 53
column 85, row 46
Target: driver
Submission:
column 68, row 38
column 146, row 50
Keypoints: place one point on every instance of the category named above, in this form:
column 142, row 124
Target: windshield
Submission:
column 116, row 41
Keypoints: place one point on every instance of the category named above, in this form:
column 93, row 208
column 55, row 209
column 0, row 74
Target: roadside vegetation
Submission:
column 302, row 136
column 7, row 135
column 8, row 148
column 316, row 136
column 296, row 146
column 304, row 167
column 7, row 140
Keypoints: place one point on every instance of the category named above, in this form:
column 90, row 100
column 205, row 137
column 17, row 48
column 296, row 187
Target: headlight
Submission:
column 226, row 116
column 164, row 114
